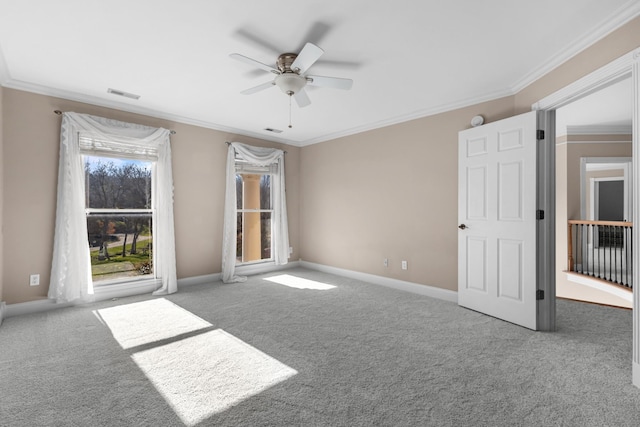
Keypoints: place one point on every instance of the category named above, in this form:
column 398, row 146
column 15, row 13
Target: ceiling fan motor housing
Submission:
column 289, row 81
column 284, row 62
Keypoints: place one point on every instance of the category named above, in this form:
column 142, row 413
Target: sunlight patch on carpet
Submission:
column 149, row 321
column 199, row 375
column 299, row 282
column 203, row 375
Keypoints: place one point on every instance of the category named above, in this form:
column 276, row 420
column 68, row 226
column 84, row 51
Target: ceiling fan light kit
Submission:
column 290, row 83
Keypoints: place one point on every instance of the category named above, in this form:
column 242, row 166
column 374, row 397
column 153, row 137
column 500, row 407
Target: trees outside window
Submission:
column 120, row 215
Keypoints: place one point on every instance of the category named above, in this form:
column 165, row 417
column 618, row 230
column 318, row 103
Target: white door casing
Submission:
column 497, row 190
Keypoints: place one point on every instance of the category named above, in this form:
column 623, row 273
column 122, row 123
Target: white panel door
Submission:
column 497, row 217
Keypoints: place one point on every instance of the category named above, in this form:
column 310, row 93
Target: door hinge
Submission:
column 539, row 134
column 539, row 294
column 539, row 214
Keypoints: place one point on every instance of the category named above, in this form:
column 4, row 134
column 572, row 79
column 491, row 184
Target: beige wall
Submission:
column 389, row 193
column 392, row 192
column 31, row 144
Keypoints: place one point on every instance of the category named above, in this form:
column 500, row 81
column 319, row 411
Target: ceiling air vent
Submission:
column 121, row 93
column 273, row 130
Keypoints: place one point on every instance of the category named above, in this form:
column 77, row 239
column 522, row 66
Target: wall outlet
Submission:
column 34, row 280
column 404, row 265
column 386, row 262
column 290, row 250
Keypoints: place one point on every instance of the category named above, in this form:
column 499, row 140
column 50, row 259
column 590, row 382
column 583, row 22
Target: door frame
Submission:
column 627, row 66
column 546, row 227
column 625, row 165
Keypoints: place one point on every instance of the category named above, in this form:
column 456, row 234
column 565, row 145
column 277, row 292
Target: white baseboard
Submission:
column 636, row 374
column 122, row 290
column 199, row 280
column 30, row 307
column 147, row 287
column 245, row 270
column 416, row 288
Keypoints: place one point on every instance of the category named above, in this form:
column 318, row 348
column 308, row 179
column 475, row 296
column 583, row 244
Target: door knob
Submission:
column 462, row 226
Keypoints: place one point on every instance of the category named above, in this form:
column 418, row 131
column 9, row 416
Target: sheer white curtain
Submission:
column 71, row 264
column 257, row 156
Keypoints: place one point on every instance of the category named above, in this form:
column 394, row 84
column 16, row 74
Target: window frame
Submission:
column 244, row 167
column 84, row 153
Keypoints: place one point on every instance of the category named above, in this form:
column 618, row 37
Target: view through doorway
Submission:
column 594, row 187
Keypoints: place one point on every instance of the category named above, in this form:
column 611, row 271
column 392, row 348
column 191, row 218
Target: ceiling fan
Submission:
column 291, row 75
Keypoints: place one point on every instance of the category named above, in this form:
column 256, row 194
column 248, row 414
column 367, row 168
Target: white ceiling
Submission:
column 408, row 58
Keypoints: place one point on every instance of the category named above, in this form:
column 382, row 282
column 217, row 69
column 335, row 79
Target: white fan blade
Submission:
column 255, row 63
column 258, row 88
column 302, row 99
column 309, row 54
column 332, row 82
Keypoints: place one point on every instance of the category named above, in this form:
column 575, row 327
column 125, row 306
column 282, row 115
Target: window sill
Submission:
column 120, row 289
column 258, row 267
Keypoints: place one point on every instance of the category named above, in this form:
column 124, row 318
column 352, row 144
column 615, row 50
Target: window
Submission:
column 134, row 201
column 120, row 217
column 254, row 214
column 255, row 210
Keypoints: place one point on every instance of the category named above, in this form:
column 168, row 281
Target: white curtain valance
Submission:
column 249, row 168
column 96, row 147
column 101, row 136
column 114, row 130
column 71, row 264
column 247, row 157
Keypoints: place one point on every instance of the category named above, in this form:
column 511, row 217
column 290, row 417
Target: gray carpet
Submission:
column 356, row 355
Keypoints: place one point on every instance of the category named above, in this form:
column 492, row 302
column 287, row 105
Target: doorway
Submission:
column 593, row 184
column 622, row 68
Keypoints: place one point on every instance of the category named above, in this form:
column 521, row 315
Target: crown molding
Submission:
column 123, row 106
column 623, row 15
column 410, row 116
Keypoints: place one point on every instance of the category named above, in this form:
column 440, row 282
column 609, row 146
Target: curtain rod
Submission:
column 228, row 143
column 58, row 112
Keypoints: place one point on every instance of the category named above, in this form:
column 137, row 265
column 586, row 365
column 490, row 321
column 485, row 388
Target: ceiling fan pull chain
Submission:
column 290, row 96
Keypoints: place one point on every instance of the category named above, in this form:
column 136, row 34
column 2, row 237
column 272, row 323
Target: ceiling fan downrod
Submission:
column 290, row 96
